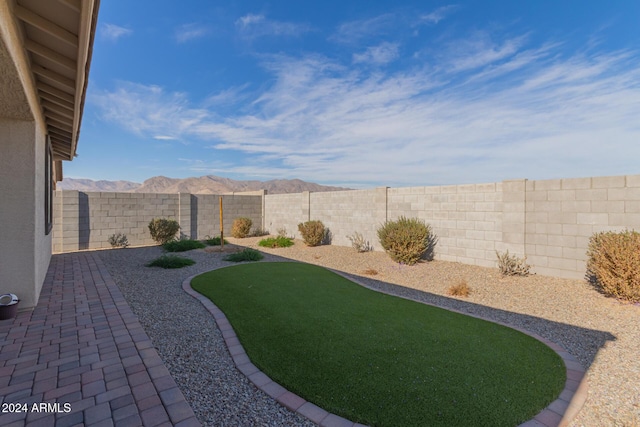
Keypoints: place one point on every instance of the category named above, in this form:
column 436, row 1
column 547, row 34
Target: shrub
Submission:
column 163, row 230
column 313, row 232
column 118, row 240
column 282, row 232
column 247, row 254
column 359, row 243
column 171, row 261
column 276, row 242
column 213, row 241
column 182, row 245
column 511, row 265
column 460, row 289
column 406, row 240
column 241, row 227
column 613, row 263
column 258, row 232
column 370, row 272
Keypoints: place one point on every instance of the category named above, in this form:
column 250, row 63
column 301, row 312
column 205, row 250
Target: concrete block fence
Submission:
column 86, row 220
column 548, row 221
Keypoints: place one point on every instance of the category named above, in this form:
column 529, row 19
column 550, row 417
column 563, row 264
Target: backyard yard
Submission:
column 600, row 332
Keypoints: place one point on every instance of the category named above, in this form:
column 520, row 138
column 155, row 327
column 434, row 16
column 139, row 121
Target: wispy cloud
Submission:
column 355, row 31
column 381, row 54
column 437, row 15
column 148, row 110
column 517, row 112
column 114, row 32
column 256, row 25
column 480, row 50
column 190, row 31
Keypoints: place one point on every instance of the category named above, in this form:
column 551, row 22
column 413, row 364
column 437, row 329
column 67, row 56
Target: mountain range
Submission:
column 209, row 184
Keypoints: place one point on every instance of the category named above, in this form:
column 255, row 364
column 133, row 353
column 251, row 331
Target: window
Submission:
column 48, row 188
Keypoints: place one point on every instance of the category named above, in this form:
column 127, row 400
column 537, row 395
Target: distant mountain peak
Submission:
column 208, row 184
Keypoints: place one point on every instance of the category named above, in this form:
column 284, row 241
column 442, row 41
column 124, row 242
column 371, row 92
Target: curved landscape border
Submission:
column 559, row 413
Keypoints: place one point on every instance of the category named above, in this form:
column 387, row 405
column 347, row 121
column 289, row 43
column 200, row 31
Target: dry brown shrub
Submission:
column 511, row 265
column 241, row 227
column 614, row 263
column 460, row 289
column 312, row 232
column 370, row 272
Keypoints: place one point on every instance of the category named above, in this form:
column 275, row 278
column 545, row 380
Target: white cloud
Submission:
column 114, row 32
column 512, row 113
column 381, row 54
column 353, row 32
column 253, row 26
column 190, row 31
column 437, row 15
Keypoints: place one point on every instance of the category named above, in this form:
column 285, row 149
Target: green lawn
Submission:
column 377, row 359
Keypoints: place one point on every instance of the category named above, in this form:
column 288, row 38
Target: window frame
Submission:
column 48, row 188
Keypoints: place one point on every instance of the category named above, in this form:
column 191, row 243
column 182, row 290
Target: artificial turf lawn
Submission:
column 378, row 359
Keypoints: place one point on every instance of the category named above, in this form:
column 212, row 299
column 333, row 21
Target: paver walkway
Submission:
column 82, row 357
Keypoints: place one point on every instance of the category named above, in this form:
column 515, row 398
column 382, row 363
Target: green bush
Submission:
column 214, row 241
column 511, row 265
column 406, row 240
column 313, row 232
column 163, row 230
column 613, row 263
column 171, row 261
column 241, row 227
column 247, row 254
column 182, row 245
column 276, row 242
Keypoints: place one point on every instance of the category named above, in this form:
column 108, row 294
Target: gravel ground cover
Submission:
column 602, row 333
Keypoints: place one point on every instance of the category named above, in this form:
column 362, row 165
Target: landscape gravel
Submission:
column 601, row 332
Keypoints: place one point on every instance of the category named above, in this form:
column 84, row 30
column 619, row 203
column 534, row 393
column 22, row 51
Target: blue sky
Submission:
column 363, row 93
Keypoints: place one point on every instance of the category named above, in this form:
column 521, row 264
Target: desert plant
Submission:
column 247, row 254
column 613, row 263
column 118, row 240
column 511, row 265
column 241, row 227
column 163, row 230
column 359, row 243
column 259, row 232
column 313, row 232
column 171, row 261
column 213, row 241
column 182, row 245
column 460, row 289
column 406, row 240
column 370, row 272
column 281, row 232
column 276, row 242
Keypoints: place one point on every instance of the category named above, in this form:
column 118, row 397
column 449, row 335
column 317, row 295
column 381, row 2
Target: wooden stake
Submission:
column 221, row 227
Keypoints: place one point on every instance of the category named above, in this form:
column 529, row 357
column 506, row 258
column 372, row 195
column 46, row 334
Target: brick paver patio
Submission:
column 82, row 357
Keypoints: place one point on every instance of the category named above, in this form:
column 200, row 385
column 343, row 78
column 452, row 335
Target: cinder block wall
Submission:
column 562, row 214
column 348, row 212
column 467, row 219
column 286, row 211
column 86, row 220
column 547, row 221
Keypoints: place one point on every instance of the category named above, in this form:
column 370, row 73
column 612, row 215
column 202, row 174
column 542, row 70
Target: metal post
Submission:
column 221, row 227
